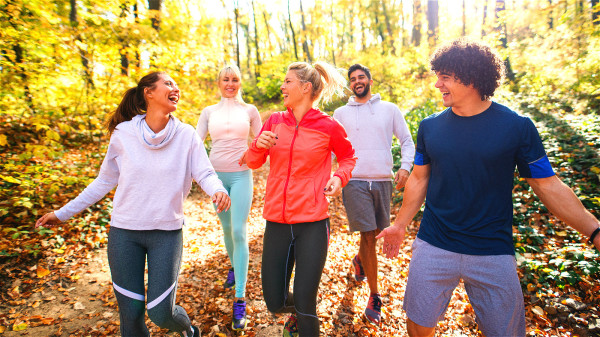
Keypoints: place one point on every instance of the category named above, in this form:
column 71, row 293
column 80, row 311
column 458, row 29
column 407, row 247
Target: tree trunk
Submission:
column 236, row 12
column 268, row 27
column 501, row 28
column 124, row 44
column 595, row 12
column 432, row 21
column 464, row 18
column 293, row 33
column 74, row 21
column 485, row 9
column 305, row 45
column 256, row 50
column 246, row 28
column 416, row 33
column 331, row 35
column 18, row 61
column 136, row 19
column 379, row 31
column 402, row 24
column 154, row 7
column 388, row 25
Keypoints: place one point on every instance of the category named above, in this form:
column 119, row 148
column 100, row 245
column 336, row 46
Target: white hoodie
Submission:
column 153, row 174
column 370, row 127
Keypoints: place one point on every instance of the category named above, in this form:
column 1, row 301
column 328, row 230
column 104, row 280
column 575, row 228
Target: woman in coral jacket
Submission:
column 299, row 142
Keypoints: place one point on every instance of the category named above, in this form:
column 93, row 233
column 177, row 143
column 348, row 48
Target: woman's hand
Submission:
column 333, row 186
column 242, row 160
column 222, row 201
column 266, row 140
column 47, row 220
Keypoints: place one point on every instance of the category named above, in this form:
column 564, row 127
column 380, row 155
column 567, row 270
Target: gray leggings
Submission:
column 127, row 251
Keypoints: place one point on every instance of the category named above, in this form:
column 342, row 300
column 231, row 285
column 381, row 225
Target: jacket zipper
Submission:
column 289, row 171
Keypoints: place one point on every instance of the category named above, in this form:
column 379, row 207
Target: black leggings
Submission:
column 127, row 251
column 306, row 245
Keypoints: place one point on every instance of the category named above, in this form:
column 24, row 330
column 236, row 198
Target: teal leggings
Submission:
column 239, row 186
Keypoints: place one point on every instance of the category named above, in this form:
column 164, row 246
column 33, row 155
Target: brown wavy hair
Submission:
column 471, row 62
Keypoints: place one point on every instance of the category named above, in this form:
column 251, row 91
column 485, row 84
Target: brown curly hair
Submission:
column 471, row 62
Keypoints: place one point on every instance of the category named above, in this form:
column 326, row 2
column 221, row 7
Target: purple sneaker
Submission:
column 239, row 315
column 230, row 283
column 373, row 310
column 359, row 272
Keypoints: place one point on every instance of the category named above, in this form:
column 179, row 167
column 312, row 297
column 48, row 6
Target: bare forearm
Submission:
column 414, row 195
column 564, row 204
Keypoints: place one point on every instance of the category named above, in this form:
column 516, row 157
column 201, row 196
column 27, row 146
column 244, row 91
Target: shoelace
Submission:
column 239, row 310
column 376, row 303
column 230, row 277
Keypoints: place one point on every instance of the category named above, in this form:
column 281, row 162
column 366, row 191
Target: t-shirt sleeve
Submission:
column 421, row 156
column 532, row 160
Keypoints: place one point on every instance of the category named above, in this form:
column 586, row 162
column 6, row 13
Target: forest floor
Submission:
column 76, row 297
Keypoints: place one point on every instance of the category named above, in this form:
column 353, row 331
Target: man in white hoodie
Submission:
column 371, row 124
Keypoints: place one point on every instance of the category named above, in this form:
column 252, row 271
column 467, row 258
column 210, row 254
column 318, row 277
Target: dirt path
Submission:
column 85, row 305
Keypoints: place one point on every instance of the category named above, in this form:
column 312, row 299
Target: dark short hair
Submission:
column 358, row 66
column 471, row 62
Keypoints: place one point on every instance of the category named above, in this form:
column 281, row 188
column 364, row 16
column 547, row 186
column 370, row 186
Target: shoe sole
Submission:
column 239, row 329
column 372, row 320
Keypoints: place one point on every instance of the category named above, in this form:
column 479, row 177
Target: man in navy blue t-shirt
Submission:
column 464, row 167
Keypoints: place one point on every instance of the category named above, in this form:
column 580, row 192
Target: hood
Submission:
column 153, row 140
column 374, row 98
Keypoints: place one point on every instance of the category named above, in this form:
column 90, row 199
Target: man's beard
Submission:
column 365, row 92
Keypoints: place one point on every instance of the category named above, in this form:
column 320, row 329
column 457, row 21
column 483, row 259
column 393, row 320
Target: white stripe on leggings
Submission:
column 161, row 297
column 128, row 293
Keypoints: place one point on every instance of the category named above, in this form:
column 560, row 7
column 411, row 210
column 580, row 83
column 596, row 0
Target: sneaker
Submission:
column 290, row 329
column 373, row 310
column 359, row 272
column 239, row 315
column 195, row 331
column 230, row 283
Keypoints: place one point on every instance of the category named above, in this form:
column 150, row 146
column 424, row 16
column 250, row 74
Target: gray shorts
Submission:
column 367, row 204
column 491, row 282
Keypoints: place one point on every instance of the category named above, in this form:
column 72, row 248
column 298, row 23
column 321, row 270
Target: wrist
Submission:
column 594, row 234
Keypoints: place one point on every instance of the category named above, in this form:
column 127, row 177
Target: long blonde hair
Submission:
column 232, row 69
column 326, row 80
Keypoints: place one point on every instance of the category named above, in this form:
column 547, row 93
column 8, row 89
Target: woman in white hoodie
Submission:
column 230, row 123
column 152, row 158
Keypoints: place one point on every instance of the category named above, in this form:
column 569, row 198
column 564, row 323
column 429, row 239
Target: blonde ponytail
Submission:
column 326, row 80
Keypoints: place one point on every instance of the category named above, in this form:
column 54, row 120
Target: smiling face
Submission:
column 293, row 89
column 360, row 83
column 165, row 94
column 229, row 84
column 454, row 93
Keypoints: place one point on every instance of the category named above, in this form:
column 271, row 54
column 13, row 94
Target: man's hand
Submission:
column 222, row 201
column 266, row 140
column 392, row 240
column 47, row 220
column 401, row 178
column 333, row 186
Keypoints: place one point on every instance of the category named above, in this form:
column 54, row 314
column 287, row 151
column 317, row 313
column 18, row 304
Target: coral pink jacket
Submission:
column 301, row 165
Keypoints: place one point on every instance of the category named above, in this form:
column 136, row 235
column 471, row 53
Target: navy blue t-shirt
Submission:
column 468, row 207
